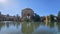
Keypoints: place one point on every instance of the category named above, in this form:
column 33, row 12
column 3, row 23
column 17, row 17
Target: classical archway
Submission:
column 27, row 13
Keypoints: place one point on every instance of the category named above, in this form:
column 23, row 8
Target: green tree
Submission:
column 18, row 17
column 59, row 16
column 51, row 17
column 36, row 17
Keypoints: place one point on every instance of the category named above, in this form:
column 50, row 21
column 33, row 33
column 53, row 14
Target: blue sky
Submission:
column 41, row 7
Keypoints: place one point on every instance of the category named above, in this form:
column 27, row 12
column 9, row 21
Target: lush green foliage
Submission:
column 51, row 17
column 36, row 18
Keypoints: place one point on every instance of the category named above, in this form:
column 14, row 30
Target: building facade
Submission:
column 9, row 18
column 27, row 13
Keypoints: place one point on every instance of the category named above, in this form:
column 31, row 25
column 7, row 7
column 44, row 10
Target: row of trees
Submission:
column 52, row 18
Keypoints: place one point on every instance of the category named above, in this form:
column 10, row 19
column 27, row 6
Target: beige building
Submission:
column 27, row 13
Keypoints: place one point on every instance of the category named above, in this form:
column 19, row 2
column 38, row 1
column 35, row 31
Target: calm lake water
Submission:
column 11, row 27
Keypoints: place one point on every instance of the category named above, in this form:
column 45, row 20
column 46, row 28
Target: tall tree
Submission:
column 36, row 17
column 18, row 17
column 51, row 17
column 59, row 16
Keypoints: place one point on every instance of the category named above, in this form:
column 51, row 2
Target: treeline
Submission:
column 51, row 18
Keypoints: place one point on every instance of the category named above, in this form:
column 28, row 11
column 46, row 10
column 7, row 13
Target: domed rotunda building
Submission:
column 27, row 13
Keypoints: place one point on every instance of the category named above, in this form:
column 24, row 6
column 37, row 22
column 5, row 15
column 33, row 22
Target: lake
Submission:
column 10, row 27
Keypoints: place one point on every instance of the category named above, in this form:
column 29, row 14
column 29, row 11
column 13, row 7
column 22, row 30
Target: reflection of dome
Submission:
column 27, row 29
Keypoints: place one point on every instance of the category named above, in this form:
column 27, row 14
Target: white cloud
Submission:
column 3, row 1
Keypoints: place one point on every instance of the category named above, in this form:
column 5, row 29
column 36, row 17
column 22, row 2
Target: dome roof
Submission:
column 27, row 10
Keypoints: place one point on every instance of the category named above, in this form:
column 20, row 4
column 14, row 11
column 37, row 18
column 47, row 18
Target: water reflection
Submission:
column 29, row 28
column 58, row 25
